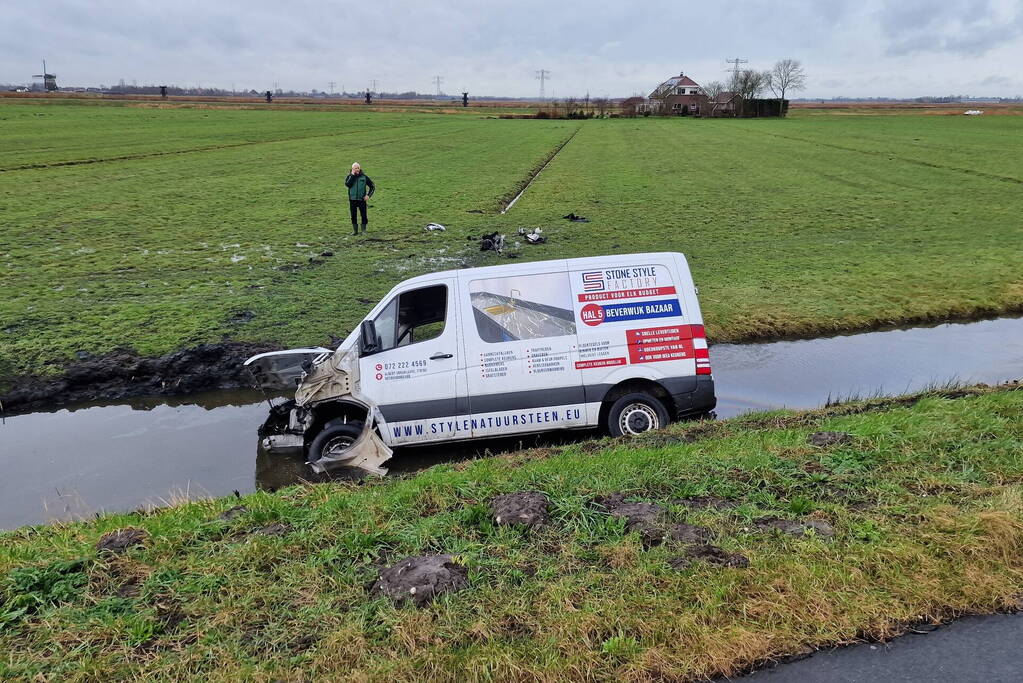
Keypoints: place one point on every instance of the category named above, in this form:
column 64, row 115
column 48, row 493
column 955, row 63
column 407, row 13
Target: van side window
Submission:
column 522, row 307
column 412, row 317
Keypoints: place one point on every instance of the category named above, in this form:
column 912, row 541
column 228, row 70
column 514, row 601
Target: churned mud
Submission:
column 123, row 374
column 419, row 580
column 528, row 508
column 121, row 540
column 824, row 439
column 649, row 520
column 711, row 554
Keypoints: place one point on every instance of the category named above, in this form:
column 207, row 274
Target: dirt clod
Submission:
column 420, row 579
column 822, row 439
column 796, row 528
column 232, row 513
column 705, row 503
column 121, row 540
column 710, row 554
column 688, row 533
column 525, row 507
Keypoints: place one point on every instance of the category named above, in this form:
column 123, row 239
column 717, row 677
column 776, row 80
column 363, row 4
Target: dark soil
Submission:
column 420, row 579
column 231, row 513
column 121, row 540
column 705, row 503
column 710, row 554
column 123, row 373
column 275, row 529
column 526, row 507
column 822, row 439
column 648, row 520
column 795, row 528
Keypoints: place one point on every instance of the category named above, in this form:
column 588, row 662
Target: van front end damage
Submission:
column 326, row 397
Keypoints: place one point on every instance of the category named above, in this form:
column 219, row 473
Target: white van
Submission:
column 614, row 341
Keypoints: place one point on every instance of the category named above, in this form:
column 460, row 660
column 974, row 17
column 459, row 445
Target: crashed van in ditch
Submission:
column 614, row 342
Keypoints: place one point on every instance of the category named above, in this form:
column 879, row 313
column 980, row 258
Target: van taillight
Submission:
column 702, row 353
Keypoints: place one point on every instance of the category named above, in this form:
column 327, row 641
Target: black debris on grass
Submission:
column 232, row 512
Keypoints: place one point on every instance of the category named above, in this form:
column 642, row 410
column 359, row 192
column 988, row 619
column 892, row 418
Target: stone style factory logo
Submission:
column 593, row 281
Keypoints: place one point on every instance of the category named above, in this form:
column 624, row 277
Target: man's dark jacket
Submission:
column 357, row 185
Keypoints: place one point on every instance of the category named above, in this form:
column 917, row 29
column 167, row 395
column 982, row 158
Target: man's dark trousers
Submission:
column 358, row 206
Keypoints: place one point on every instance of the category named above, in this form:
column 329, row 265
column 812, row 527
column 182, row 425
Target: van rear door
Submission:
column 520, row 346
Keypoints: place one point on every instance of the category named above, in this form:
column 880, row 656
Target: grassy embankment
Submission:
column 794, row 227
column 926, row 504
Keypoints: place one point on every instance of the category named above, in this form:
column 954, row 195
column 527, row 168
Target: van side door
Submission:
column 416, row 375
column 520, row 347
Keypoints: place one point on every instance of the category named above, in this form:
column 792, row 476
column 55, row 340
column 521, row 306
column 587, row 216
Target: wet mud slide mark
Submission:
column 890, row 156
column 123, row 373
column 524, row 185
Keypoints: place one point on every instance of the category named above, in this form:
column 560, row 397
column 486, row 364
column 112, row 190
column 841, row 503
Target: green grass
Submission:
column 187, row 217
column 926, row 502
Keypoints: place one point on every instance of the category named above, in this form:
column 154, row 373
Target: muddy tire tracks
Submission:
column 521, row 188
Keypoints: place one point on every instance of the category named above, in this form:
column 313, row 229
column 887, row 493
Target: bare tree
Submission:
column 571, row 104
column 787, row 74
column 713, row 89
column 601, row 104
column 748, row 85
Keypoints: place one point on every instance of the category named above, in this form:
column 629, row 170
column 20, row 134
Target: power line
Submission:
column 374, row 82
column 331, row 87
column 437, row 80
column 542, row 75
column 736, row 62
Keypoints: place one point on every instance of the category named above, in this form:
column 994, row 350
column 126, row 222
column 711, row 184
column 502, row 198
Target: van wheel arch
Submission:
column 335, row 412
column 636, row 386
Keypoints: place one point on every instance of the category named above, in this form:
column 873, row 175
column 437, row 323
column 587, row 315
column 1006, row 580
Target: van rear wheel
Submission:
column 636, row 413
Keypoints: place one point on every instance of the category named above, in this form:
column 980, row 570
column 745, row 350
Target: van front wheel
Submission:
column 636, row 413
column 336, row 438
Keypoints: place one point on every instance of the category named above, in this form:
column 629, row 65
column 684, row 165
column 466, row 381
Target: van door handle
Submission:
column 441, row 356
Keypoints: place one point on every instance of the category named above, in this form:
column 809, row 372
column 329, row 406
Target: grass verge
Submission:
column 926, row 503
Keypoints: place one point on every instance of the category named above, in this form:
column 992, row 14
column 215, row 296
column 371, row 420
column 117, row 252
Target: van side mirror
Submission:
column 369, row 341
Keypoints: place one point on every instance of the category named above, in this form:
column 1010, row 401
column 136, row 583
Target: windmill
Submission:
column 49, row 80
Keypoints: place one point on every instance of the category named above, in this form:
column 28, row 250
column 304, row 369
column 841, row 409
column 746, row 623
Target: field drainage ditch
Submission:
column 73, row 462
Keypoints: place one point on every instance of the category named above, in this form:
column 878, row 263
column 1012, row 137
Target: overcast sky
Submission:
column 898, row 48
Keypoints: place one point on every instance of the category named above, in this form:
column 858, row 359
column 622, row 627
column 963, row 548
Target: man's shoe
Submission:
column 355, row 228
column 363, row 227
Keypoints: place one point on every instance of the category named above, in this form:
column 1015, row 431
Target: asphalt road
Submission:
column 988, row 649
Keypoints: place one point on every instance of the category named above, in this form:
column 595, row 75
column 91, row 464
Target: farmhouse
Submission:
column 679, row 95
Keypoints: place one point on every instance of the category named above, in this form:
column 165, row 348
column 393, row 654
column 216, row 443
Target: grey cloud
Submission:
column 965, row 27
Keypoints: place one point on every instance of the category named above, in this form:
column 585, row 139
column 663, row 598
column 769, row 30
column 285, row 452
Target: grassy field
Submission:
column 158, row 228
column 925, row 502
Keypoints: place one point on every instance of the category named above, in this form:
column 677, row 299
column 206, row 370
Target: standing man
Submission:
column 360, row 188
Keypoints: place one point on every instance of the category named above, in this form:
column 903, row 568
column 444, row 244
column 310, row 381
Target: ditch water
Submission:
column 73, row 462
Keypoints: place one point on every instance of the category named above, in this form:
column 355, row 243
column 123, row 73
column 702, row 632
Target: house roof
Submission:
column 724, row 97
column 675, row 81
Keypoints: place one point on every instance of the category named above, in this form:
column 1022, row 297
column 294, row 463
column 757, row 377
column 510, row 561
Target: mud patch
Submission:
column 823, row 439
column 419, row 580
column 711, row 554
column 124, row 374
column 275, row 529
column 796, row 528
column 705, row 503
column 528, row 508
column 232, row 513
column 121, row 540
column 649, row 521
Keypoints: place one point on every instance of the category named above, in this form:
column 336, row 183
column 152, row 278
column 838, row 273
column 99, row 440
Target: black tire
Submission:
column 335, row 434
column 636, row 413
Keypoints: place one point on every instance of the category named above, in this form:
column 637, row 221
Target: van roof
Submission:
column 532, row 266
